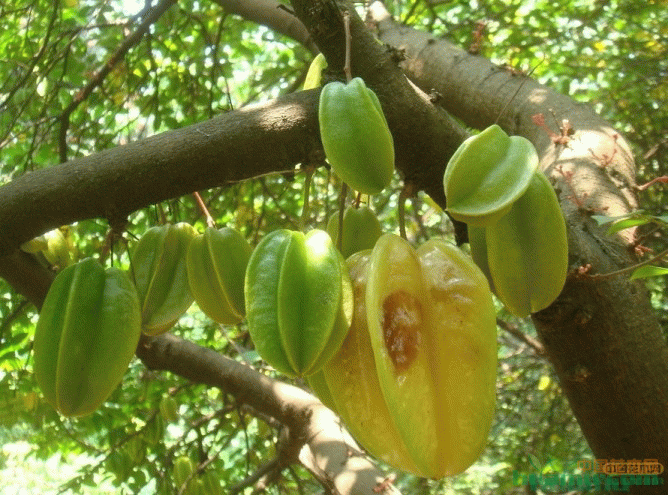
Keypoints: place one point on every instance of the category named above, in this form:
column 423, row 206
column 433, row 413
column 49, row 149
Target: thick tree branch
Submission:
column 425, row 141
column 232, row 147
column 601, row 335
column 298, row 410
column 273, row 15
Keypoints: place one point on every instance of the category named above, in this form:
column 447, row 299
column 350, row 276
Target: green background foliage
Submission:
column 198, row 61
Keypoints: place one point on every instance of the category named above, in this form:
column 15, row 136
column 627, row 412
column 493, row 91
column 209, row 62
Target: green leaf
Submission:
column 602, row 219
column 649, row 271
column 628, row 223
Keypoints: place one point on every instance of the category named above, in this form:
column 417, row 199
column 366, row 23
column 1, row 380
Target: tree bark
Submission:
column 601, row 334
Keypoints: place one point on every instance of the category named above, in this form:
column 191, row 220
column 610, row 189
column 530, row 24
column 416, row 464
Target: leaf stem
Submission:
column 628, row 269
column 342, row 206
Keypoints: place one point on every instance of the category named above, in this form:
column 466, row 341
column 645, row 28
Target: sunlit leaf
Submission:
column 647, row 271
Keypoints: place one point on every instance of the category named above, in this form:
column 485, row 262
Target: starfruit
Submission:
column 298, row 300
column 216, row 263
column 478, row 245
column 183, row 470
column 361, row 229
column 159, row 268
column 169, row 409
column 487, row 174
column 527, row 250
column 355, row 136
column 86, row 335
column 314, row 74
column 55, row 247
column 414, row 380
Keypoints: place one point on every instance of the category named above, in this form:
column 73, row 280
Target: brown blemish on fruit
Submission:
column 402, row 323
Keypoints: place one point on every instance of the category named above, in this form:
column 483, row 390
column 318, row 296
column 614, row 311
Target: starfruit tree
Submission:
column 310, row 256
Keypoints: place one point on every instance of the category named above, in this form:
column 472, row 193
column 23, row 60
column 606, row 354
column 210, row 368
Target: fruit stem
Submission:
column 342, row 207
column 401, row 206
column 210, row 222
column 307, row 191
column 346, row 27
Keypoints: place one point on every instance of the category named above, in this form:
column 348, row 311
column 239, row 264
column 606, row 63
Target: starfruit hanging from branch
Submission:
column 87, row 333
column 418, row 389
column 216, row 264
column 355, row 136
column 314, row 74
column 160, row 274
column 361, row 229
column 487, row 174
column 298, row 300
column 527, row 250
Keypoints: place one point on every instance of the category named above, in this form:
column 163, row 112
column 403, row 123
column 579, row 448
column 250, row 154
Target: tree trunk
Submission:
column 601, row 334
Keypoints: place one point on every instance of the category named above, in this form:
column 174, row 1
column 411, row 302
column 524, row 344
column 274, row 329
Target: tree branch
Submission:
column 602, row 336
column 232, row 147
column 273, row 15
column 302, row 413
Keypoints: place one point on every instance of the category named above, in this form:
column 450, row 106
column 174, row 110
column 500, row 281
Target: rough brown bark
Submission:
column 232, row 147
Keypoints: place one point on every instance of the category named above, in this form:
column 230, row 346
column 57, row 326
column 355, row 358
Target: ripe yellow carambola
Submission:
column 86, row 335
column 414, row 380
column 298, row 300
column 216, row 262
column 527, row 250
column 355, row 136
column 487, row 173
column 361, row 229
column 159, row 268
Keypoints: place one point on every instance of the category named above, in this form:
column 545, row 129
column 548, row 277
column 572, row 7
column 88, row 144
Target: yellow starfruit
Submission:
column 415, row 378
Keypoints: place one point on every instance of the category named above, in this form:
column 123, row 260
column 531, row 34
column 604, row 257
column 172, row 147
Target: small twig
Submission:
column 517, row 91
column 346, row 27
column 663, row 179
column 342, row 207
column 628, row 269
column 401, row 208
column 210, row 222
column 307, row 191
column 255, row 477
column 527, row 339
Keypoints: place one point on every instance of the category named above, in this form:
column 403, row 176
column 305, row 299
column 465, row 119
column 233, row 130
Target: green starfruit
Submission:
column 527, row 250
column 159, row 268
column 414, row 380
column 355, row 136
column 216, row 263
column 183, row 471
column 478, row 245
column 87, row 333
column 487, row 174
column 314, row 74
column 361, row 229
column 298, row 300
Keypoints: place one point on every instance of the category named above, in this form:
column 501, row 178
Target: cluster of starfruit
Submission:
column 92, row 317
column 517, row 232
column 414, row 380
